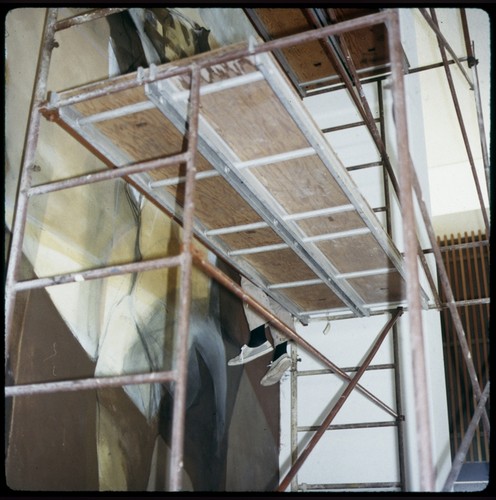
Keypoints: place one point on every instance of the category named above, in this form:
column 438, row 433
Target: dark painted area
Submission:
column 126, row 43
column 252, row 413
column 474, row 476
column 132, row 438
column 51, row 443
column 53, row 439
column 248, row 432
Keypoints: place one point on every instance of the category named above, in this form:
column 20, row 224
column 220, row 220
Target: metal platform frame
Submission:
column 397, row 422
column 188, row 256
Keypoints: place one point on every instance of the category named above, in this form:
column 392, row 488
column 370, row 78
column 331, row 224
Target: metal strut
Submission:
column 342, row 399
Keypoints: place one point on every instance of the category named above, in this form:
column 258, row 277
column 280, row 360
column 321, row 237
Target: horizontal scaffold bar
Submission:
column 90, row 383
column 102, row 272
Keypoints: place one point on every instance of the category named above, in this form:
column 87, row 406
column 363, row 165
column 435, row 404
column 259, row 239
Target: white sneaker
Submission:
column 276, row 370
column 250, row 353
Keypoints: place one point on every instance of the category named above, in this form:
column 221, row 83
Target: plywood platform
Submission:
column 272, row 198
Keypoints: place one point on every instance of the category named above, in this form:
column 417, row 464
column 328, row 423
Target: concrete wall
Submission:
column 455, row 205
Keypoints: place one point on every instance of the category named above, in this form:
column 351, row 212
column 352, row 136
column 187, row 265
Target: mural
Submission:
column 126, row 324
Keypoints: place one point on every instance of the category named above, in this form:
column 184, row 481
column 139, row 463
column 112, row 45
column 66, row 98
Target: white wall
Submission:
column 343, row 456
column 370, row 455
column 455, row 205
column 365, row 455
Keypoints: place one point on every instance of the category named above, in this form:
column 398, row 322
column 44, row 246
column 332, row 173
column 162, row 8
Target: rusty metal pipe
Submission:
column 104, row 175
column 385, row 180
column 482, row 132
column 444, row 43
column 363, row 108
column 470, row 244
column 181, row 348
column 396, row 356
column 383, row 485
column 342, row 399
column 427, row 480
column 399, row 407
column 466, row 38
column 102, row 272
column 462, row 128
column 380, row 78
column 89, row 383
column 382, row 149
column 378, row 139
column 21, row 211
column 360, row 425
column 219, row 276
column 450, row 300
column 466, row 441
column 91, row 15
column 150, row 75
column 383, row 366
column 469, row 302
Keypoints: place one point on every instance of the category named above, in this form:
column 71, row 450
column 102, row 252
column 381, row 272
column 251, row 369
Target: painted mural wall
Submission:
column 125, row 324
column 122, row 324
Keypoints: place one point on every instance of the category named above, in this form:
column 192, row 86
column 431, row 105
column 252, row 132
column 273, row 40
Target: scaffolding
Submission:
column 183, row 109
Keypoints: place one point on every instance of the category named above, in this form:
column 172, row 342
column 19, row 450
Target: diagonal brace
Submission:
column 344, row 396
column 222, row 278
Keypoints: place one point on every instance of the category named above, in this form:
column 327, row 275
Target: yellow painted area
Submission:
column 111, row 461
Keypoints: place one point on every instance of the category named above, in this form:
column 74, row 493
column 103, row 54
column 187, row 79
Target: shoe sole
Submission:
column 245, row 360
column 277, row 373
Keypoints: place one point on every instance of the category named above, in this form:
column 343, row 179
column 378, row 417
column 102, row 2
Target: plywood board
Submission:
column 316, row 188
column 280, row 266
column 314, row 298
column 251, row 122
column 355, row 253
column 382, row 288
column 298, row 196
column 217, row 204
column 311, row 62
column 331, row 223
column 252, row 238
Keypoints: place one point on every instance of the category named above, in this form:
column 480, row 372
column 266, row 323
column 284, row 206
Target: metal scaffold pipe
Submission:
column 357, row 94
column 467, row 439
column 342, row 399
column 182, row 334
column 31, row 142
column 223, row 279
column 461, row 123
column 422, row 409
column 150, row 75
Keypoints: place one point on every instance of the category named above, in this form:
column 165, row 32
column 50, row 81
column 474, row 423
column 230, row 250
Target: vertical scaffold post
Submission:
column 427, row 480
column 25, row 177
column 182, row 333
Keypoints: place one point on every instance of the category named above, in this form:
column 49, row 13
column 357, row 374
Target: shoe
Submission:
column 248, row 354
column 276, row 370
